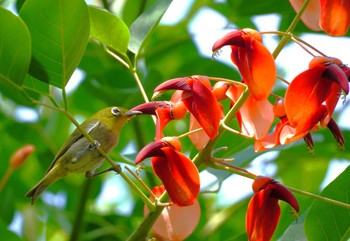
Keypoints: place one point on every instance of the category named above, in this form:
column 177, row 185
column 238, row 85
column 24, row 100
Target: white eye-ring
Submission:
column 115, row 111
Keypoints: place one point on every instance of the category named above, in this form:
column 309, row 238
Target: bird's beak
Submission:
column 131, row 113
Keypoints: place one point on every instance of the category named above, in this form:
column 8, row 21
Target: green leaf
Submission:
column 15, row 50
column 145, row 23
column 60, row 32
column 330, row 222
column 295, row 231
column 109, row 30
column 35, row 85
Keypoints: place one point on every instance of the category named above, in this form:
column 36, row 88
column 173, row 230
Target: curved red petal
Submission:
column 305, row 95
column 282, row 193
column 232, row 38
column 173, row 84
column 335, row 16
column 262, row 216
column 337, row 74
column 203, row 106
column 150, row 107
column 179, row 176
column 152, row 149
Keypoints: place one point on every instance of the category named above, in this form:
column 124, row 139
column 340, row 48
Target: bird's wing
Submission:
column 75, row 136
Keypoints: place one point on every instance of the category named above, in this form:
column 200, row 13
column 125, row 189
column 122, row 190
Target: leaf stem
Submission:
column 318, row 197
column 290, row 29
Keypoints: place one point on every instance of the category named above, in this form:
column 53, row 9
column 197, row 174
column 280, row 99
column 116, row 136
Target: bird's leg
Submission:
column 94, row 146
column 90, row 174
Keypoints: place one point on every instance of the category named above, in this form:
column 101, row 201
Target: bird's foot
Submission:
column 94, row 146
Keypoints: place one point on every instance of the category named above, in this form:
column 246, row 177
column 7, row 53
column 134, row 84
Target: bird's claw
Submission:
column 94, row 146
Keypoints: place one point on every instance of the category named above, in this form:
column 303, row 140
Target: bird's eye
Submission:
column 115, row 111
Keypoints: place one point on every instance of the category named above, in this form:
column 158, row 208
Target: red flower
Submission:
column 254, row 61
column 263, row 210
column 312, row 95
column 177, row 172
column 284, row 133
column 198, row 99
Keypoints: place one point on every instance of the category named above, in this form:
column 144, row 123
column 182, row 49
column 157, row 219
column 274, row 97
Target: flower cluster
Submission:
column 307, row 104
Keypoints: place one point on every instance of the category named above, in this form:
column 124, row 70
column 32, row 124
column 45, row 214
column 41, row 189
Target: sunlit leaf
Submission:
column 145, row 23
column 326, row 221
column 109, row 30
column 15, row 48
column 60, row 32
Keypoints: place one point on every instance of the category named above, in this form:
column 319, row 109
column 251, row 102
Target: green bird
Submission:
column 78, row 154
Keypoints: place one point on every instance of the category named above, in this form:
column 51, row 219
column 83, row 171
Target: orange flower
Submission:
column 263, row 210
column 177, row 172
column 330, row 15
column 254, row 61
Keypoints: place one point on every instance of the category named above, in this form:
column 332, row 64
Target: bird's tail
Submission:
column 39, row 188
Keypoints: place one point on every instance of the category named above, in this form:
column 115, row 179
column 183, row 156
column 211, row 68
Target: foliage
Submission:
column 121, row 48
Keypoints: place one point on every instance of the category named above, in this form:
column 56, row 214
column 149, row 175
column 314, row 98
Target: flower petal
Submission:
column 282, row 193
column 257, row 67
column 150, row 107
column 338, row 135
column 335, row 16
column 152, row 149
column 203, row 106
column 255, row 116
column 199, row 138
column 232, row 38
column 179, row 176
column 262, row 216
column 337, row 74
column 304, row 97
column 173, row 84
column 311, row 15
column 175, row 223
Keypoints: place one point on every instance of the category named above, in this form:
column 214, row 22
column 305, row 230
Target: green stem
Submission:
column 143, row 229
column 64, row 96
column 6, row 177
column 144, row 198
column 79, row 214
column 290, row 29
column 318, row 197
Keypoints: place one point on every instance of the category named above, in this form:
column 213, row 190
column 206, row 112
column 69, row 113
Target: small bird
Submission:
column 78, row 154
